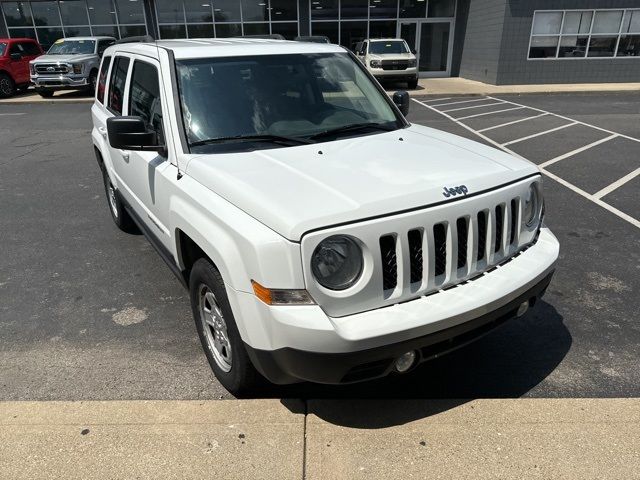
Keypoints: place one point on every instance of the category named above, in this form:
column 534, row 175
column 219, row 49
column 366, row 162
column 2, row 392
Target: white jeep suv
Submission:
column 321, row 235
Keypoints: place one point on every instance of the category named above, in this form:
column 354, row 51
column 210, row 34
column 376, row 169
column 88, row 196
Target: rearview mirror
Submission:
column 16, row 56
column 401, row 99
column 131, row 133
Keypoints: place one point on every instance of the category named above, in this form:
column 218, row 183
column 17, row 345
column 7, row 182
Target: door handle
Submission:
column 103, row 132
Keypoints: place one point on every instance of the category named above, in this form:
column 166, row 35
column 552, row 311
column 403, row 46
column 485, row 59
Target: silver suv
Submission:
column 389, row 59
column 70, row 64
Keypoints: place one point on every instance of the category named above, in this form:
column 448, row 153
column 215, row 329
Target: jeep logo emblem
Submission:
column 453, row 191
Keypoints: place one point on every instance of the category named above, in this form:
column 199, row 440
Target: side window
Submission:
column 144, row 100
column 102, row 79
column 116, row 84
column 30, row 49
column 16, row 48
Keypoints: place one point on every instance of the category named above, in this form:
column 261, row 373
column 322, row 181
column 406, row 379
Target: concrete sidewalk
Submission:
column 426, row 86
column 341, row 439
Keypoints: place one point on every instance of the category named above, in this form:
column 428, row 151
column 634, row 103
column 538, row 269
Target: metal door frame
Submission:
column 419, row 22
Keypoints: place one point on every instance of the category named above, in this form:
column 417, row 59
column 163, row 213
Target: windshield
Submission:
column 3, row 48
column 299, row 95
column 393, row 46
column 72, row 47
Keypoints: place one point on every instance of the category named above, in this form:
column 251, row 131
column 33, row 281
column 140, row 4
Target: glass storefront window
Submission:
column 354, row 8
column 328, row 29
column 106, row 31
column 130, row 11
column 254, row 10
column 256, row 28
column 169, row 11
column 577, row 22
column 132, row 30
column 225, row 30
column 324, row 9
column 77, row 31
column 546, row 22
column 47, row 36
column 383, row 29
column 198, row 11
column 607, row 21
column 631, row 22
column 74, row 12
column 413, row 8
column 573, row 46
column 543, row 47
column 288, row 30
column 200, row 31
column 102, row 12
column 441, row 8
column 283, row 10
column 23, row 33
column 17, row 14
column 352, row 33
column 172, row 31
column 45, row 14
column 602, row 46
column 383, row 9
column 629, row 46
column 226, row 10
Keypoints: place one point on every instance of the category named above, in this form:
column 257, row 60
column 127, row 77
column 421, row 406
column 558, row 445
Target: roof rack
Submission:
column 272, row 36
column 140, row 39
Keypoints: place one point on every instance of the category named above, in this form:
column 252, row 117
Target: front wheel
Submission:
column 412, row 84
column 7, row 86
column 93, row 79
column 218, row 331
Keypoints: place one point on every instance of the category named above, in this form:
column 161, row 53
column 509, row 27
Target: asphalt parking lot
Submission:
column 89, row 312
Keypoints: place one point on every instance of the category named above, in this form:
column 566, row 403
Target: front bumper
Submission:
column 290, row 343
column 288, row 365
column 59, row 82
column 394, row 75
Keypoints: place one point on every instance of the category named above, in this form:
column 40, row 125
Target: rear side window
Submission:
column 102, row 79
column 116, row 84
column 144, row 100
column 30, row 48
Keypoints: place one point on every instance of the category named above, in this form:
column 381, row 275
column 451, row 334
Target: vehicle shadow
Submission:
column 506, row 363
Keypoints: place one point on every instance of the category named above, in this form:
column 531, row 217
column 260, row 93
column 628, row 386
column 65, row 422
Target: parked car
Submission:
column 313, row 39
column 321, row 236
column 15, row 55
column 70, row 64
column 389, row 59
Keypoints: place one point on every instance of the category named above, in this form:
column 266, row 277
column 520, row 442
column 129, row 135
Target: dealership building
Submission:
column 493, row 41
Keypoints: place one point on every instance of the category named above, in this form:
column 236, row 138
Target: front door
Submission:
column 432, row 42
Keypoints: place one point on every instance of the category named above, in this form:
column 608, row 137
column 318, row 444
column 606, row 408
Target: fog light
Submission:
column 522, row 309
column 405, row 361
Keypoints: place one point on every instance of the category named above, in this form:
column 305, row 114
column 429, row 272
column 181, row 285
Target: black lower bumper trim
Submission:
column 288, row 365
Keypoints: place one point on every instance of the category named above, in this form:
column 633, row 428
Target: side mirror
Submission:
column 414, row 51
column 401, row 99
column 131, row 133
column 16, row 56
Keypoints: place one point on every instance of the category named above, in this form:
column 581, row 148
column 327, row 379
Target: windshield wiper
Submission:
column 253, row 138
column 352, row 128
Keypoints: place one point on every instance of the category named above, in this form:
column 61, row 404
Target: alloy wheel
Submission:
column 215, row 328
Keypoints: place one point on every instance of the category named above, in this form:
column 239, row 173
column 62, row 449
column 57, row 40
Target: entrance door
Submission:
column 432, row 42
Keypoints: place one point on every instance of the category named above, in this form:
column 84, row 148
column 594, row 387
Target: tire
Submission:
column 119, row 214
column 93, row 78
column 412, row 84
column 7, row 86
column 45, row 93
column 214, row 318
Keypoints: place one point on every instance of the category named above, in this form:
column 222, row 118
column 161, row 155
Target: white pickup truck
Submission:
column 321, row 235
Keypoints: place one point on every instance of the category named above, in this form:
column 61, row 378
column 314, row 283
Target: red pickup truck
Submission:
column 15, row 54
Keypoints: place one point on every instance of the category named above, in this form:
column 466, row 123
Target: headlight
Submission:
column 375, row 63
column 532, row 205
column 77, row 68
column 32, row 69
column 411, row 63
column 337, row 262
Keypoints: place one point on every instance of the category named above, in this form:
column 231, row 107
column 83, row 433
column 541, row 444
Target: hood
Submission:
column 296, row 189
column 391, row 56
column 63, row 58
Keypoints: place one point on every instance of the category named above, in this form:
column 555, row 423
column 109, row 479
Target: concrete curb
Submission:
column 332, row 439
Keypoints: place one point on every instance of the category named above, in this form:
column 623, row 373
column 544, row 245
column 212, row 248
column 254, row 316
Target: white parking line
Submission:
column 570, row 186
column 511, row 123
column 522, row 139
column 10, row 114
column 438, row 99
column 460, row 101
column 577, row 150
column 489, row 113
column 618, row 183
column 472, row 106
